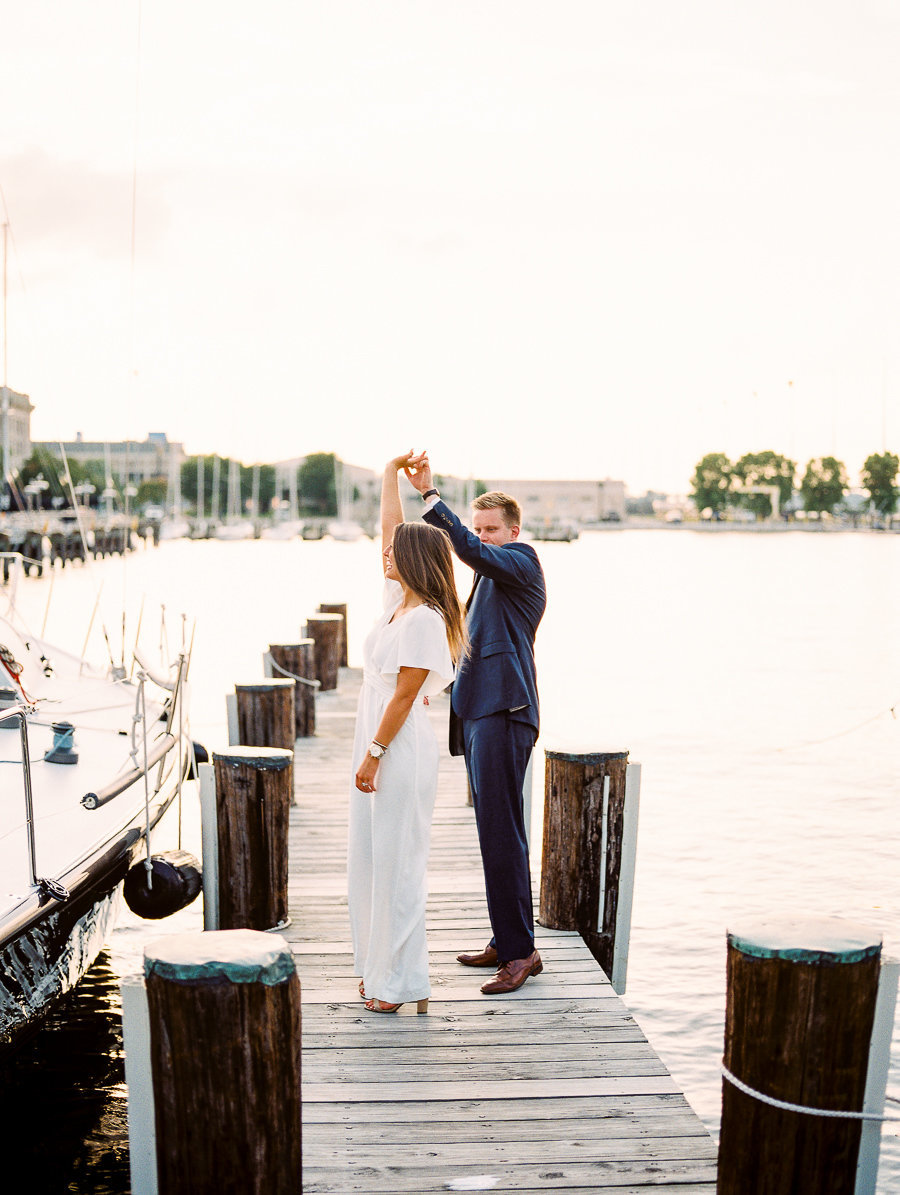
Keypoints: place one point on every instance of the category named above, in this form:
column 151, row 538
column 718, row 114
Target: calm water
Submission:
column 751, row 674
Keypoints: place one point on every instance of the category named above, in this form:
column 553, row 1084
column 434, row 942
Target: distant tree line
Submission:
column 719, row 484
column 45, row 475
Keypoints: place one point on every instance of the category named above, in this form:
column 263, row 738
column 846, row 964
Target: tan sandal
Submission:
column 382, row 1006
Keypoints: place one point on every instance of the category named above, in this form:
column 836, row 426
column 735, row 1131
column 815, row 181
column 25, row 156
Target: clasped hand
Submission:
column 417, row 468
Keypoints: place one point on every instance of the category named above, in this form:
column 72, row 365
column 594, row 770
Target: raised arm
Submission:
column 391, row 506
column 517, row 567
column 513, row 564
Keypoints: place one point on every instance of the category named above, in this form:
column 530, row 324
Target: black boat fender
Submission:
column 173, row 880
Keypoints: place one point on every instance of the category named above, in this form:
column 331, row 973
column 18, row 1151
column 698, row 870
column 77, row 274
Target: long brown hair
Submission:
column 423, row 558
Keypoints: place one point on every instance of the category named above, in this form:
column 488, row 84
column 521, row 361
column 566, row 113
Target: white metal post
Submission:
column 877, row 1076
column 231, row 712
column 139, row 1082
column 626, row 876
column 209, row 845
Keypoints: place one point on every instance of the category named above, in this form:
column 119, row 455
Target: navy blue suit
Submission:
column 495, row 699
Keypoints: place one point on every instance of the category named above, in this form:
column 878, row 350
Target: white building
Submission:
column 130, row 461
column 564, row 501
column 17, row 410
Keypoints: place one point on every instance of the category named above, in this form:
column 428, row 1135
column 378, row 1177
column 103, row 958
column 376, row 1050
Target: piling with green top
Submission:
column 800, row 1006
column 225, row 1036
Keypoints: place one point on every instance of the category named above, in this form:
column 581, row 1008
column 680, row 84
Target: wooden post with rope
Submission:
column 800, row 1008
column 325, row 631
column 296, row 661
column 338, row 608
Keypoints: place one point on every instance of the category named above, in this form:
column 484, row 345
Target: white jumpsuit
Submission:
column 390, row 829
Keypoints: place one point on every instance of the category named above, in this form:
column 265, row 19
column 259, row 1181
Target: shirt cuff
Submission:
column 432, row 501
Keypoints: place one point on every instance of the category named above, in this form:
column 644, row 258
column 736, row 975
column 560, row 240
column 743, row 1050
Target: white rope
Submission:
column 783, row 1104
column 313, row 684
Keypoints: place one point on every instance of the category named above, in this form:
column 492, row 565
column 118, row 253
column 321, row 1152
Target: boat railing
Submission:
column 51, row 887
column 152, row 755
column 162, row 747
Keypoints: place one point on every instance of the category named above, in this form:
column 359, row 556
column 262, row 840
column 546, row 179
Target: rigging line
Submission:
column 134, row 174
column 88, row 555
column 8, row 222
column 132, row 273
column 75, row 507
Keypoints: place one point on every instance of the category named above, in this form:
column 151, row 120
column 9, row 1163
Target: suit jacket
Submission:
column 504, row 610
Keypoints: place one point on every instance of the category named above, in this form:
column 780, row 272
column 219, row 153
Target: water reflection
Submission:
column 65, row 1104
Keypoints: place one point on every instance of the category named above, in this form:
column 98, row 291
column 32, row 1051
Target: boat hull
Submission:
column 47, row 944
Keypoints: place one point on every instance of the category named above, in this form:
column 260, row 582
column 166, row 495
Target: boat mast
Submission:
column 292, row 492
column 214, row 509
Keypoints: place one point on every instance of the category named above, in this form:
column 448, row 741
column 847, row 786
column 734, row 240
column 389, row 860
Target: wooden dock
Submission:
column 554, row 1087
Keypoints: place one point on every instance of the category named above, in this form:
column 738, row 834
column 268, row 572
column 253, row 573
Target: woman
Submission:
column 408, row 657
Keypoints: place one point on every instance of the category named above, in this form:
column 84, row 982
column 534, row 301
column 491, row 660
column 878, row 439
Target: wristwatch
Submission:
column 376, row 749
column 428, row 494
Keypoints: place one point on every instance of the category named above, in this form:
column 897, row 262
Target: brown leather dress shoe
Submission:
column 512, row 975
column 487, row 958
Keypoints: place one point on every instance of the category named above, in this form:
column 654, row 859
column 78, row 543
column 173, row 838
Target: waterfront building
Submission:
column 17, row 409
column 130, row 462
column 566, row 501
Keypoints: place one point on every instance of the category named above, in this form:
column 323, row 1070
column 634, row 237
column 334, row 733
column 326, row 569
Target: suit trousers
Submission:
column 497, row 750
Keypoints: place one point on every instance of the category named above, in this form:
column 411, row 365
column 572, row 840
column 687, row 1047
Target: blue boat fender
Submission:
column 168, row 885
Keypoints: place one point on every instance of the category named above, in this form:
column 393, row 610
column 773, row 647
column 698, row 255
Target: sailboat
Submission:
column 343, row 527
column 95, row 758
column 200, row 528
column 174, row 525
column 235, row 525
column 291, row 524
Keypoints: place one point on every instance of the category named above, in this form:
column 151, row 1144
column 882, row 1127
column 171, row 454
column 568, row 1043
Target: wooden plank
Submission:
column 553, row 1087
column 513, row 1115
column 558, row 1151
column 593, row 1176
column 449, row 1130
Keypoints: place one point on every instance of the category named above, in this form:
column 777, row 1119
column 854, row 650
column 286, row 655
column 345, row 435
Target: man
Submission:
column 494, row 701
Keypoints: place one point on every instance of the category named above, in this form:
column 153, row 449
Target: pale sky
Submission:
column 583, row 239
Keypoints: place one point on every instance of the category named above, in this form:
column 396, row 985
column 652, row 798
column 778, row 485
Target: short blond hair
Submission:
column 509, row 508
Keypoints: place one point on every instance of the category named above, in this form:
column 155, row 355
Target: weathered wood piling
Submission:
column 66, row 546
column 296, row 661
column 265, row 713
column 589, row 846
column 338, row 608
column 245, row 841
column 800, row 1007
column 325, row 631
column 224, row 1042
